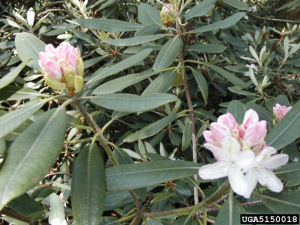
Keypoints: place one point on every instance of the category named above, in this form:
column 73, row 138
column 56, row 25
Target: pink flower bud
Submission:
column 250, row 117
column 227, row 120
column 280, row 111
column 255, row 133
column 167, row 15
column 219, row 131
column 62, row 67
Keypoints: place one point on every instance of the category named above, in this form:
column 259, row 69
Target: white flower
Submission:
column 261, row 170
column 57, row 221
column 232, row 162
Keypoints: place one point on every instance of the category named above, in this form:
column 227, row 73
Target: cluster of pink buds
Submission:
column 62, row 67
column 168, row 15
column 242, row 154
column 280, row 111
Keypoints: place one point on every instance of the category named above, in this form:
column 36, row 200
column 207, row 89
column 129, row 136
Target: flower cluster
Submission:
column 168, row 15
column 280, row 111
column 242, row 154
column 62, row 67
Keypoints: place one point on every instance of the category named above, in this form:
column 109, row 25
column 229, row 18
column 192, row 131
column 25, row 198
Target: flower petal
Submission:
column 251, row 181
column 265, row 153
column 219, row 131
column 267, row 178
column 244, row 159
column 214, row 171
column 230, row 145
column 228, row 121
column 238, row 181
column 250, row 117
column 275, row 161
column 219, row 153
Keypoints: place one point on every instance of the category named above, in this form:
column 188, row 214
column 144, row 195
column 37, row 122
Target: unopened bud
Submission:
column 168, row 15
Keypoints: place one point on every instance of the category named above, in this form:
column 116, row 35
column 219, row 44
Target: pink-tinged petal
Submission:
column 255, row 133
column 267, row 178
column 49, row 49
column 251, row 181
column 275, row 161
column 209, row 137
column 53, row 69
column 214, row 171
column 219, row 153
column 244, row 159
column 238, row 181
column 250, row 117
column 280, row 111
column 227, row 120
column 219, row 131
column 231, row 146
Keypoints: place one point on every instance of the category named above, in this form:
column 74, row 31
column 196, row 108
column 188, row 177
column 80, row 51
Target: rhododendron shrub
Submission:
column 147, row 112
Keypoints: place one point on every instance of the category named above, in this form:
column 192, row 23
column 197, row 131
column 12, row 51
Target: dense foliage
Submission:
column 122, row 141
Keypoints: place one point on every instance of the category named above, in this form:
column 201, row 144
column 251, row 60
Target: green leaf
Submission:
column 134, row 40
column 57, row 212
column 120, row 66
column 88, row 187
column 121, row 83
column 161, row 83
column 202, row 84
column 237, row 4
column 8, row 78
column 282, row 100
column 230, row 213
column 110, row 25
column 131, row 102
column 148, row 15
column 289, row 172
column 223, row 24
column 32, row 154
column 13, row 119
column 145, row 174
column 227, row 75
column 2, row 149
column 28, row 47
column 237, row 109
column 262, row 112
column 207, row 48
column 285, row 202
column 150, row 129
column 167, row 54
column 200, row 9
column 187, row 135
column 28, row 207
column 287, row 129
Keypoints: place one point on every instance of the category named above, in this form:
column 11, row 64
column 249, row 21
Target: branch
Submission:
column 273, row 19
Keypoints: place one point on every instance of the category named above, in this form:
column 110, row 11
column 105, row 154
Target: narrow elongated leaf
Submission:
column 287, row 130
column 227, row 75
column 132, row 176
column 240, row 5
column 120, row 66
column 8, row 78
column 187, row 135
column 121, row 83
column 167, row 54
column 28, row 47
column 289, row 172
column 151, row 129
column 223, row 24
column 134, row 40
column 208, row 48
column 110, row 25
column 31, row 155
column 13, row 119
column 230, row 213
column 57, row 212
column 161, row 83
column 131, row 102
column 28, row 207
column 202, row 84
column 237, row 109
column 148, row 15
column 200, row 9
column 282, row 100
column 88, row 187
column 285, row 202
